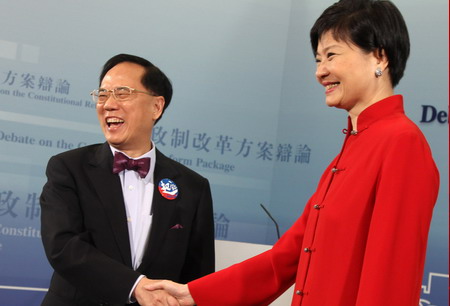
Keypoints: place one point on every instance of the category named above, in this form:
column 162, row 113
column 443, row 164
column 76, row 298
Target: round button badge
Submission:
column 168, row 189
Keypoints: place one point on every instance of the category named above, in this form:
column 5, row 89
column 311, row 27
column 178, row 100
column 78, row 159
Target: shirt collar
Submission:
column 389, row 106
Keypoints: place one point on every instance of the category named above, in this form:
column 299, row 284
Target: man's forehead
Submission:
column 124, row 73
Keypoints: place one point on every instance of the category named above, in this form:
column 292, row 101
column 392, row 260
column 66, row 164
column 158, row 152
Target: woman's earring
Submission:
column 378, row 72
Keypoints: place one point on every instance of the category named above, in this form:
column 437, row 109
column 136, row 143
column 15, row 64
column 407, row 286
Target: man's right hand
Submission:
column 152, row 298
column 178, row 291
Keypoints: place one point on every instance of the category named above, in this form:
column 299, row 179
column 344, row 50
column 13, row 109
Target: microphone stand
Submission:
column 275, row 222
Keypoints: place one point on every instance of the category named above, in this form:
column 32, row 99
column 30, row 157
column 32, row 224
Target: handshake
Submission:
column 162, row 293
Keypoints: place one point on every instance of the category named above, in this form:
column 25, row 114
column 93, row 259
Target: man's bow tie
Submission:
column 122, row 162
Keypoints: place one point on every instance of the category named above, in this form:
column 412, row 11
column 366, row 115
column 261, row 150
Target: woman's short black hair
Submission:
column 153, row 79
column 372, row 25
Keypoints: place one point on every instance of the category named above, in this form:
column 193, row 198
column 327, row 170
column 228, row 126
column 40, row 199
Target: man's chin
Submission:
column 114, row 143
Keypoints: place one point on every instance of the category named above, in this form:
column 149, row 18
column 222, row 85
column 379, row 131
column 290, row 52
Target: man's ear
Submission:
column 158, row 107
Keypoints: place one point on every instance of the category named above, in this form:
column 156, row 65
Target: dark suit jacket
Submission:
column 85, row 233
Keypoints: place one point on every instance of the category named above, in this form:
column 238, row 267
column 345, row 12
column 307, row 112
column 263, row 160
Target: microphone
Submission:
column 275, row 222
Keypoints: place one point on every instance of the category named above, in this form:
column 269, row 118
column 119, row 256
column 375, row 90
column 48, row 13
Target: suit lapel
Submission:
column 109, row 190
column 163, row 209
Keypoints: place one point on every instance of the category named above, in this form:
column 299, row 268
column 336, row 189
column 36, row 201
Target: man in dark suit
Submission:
column 116, row 213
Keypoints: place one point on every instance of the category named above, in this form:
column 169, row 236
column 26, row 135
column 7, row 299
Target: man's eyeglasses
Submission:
column 121, row 94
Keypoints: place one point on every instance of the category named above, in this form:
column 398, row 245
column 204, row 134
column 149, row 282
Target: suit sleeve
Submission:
column 200, row 257
column 258, row 280
column 68, row 245
column 395, row 252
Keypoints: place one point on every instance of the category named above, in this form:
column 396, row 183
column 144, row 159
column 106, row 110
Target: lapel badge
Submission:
column 168, row 189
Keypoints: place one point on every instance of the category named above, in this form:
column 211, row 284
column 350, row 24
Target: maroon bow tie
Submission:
column 122, row 162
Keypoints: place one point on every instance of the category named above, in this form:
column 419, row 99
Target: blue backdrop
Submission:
column 247, row 112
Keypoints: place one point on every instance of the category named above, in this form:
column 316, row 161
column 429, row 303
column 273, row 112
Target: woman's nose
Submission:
column 321, row 70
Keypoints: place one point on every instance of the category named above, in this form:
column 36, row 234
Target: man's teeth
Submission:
column 114, row 120
column 329, row 86
column 110, row 121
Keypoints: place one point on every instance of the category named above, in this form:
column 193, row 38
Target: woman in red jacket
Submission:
column 362, row 237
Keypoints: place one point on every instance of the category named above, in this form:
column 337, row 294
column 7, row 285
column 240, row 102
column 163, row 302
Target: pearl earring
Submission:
column 378, row 72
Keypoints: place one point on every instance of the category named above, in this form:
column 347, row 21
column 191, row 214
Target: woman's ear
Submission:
column 382, row 60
